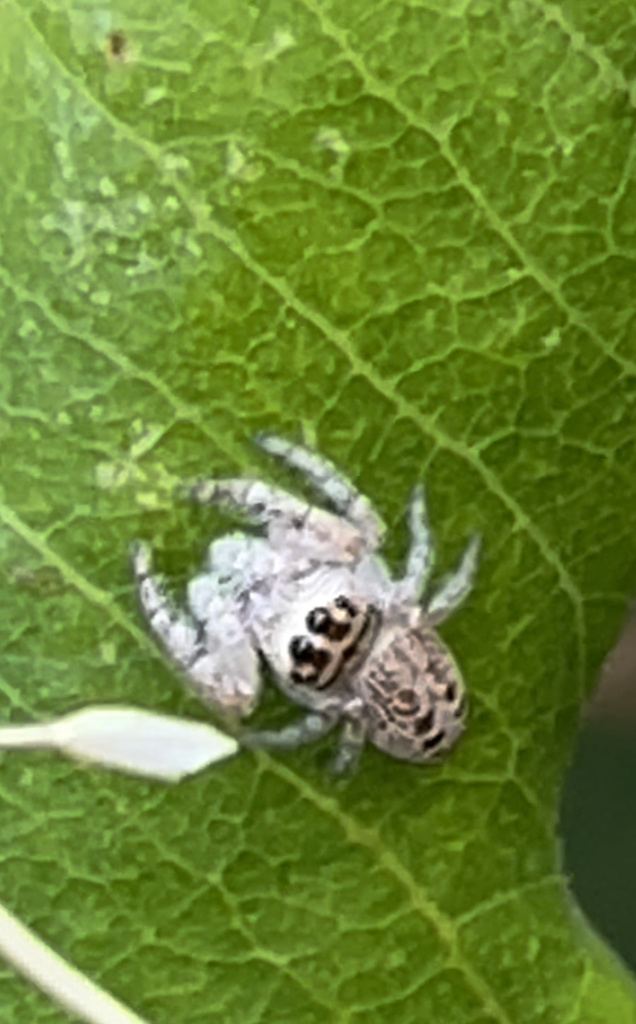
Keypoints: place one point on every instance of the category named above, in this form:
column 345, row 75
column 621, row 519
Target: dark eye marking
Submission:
column 451, row 691
column 433, row 741
column 318, row 620
column 425, row 723
column 301, row 649
column 304, row 653
column 345, row 605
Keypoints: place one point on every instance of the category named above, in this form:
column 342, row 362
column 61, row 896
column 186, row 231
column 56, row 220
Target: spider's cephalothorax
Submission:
column 314, row 599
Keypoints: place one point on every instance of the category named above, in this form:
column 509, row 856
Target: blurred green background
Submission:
column 598, row 813
column 599, row 833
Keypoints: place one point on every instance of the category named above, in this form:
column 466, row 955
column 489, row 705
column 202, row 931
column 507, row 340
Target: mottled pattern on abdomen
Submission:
column 413, row 696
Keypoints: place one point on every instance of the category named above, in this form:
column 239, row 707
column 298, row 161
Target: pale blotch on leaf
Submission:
column 175, row 162
column 108, row 188
column 239, row 167
column 281, row 39
column 154, row 95
column 552, row 339
column 154, row 485
column 333, row 140
column 108, row 652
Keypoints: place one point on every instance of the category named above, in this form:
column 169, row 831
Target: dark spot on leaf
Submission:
column 117, row 48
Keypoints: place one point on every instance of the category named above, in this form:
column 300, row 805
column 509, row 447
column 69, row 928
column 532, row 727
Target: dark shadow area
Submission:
column 598, row 811
column 598, row 824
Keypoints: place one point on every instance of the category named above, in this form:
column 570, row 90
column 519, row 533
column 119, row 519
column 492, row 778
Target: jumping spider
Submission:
column 313, row 598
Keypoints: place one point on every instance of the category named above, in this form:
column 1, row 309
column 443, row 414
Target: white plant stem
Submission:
column 67, row 986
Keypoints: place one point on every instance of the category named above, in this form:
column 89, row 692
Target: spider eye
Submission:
column 345, row 605
column 301, row 649
column 318, row 620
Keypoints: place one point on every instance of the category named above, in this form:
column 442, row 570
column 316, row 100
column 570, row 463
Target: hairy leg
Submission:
column 328, row 480
column 306, row 730
column 457, row 586
column 351, row 743
column 420, row 558
column 252, row 499
column 289, row 521
column 215, row 657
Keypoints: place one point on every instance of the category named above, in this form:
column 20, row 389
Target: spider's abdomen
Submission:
column 413, row 696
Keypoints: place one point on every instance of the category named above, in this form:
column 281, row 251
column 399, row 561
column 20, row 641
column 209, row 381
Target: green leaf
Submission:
column 407, row 229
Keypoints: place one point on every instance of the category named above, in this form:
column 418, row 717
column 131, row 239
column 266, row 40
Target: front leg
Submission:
column 306, row 730
column 215, row 657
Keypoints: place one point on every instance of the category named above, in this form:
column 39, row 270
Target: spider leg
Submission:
column 421, row 554
column 457, row 586
column 306, row 730
column 351, row 743
column 329, row 482
column 255, row 501
column 289, row 521
column 216, row 659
